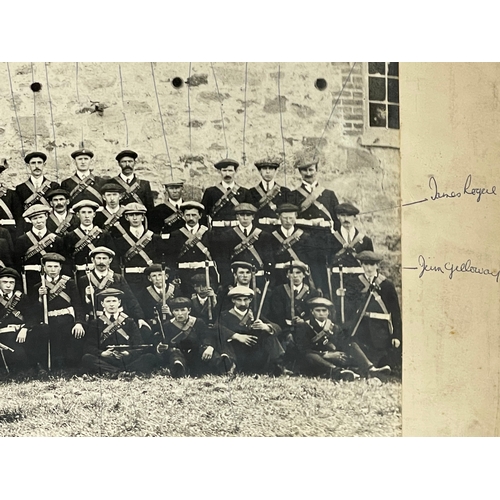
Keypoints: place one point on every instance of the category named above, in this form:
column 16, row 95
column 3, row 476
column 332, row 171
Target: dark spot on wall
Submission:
column 196, row 80
column 321, row 84
column 239, row 111
column 212, row 96
column 216, row 147
column 177, row 82
column 273, row 105
column 269, row 136
column 36, row 87
column 302, row 111
column 196, row 123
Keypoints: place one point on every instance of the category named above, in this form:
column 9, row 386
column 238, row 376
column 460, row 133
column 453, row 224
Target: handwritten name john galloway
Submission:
column 467, row 190
column 465, row 267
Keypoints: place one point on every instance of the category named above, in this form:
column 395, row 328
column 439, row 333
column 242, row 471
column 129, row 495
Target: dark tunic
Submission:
column 267, row 202
column 224, row 210
column 70, row 222
column 138, row 191
column 86, row 189
column 28, row 195
column 11, row 211
column 165, row 218
column 113, row 223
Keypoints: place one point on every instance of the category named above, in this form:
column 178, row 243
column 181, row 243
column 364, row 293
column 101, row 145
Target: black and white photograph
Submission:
column 200, row 249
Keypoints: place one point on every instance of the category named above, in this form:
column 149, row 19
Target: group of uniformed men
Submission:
column 265, row 280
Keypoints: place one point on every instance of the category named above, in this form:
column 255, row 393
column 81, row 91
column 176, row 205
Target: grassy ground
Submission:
column 209, row 406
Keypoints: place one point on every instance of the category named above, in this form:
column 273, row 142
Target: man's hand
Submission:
column 42, row 291
column 335, row 357
column 21, row 336
column 142, row 323
column 297, row 320
column 207, row 353
column 161, row 348
column 249, row 340
column 78, row 331
column 166, row 310
column 210, row 292
column 396, row 343
column 260, row 325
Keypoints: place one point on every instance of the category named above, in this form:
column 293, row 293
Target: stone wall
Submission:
column 242, row 111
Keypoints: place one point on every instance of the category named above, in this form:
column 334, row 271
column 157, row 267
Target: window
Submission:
column 383, row 94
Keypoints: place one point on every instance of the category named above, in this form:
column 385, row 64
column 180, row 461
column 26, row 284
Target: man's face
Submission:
column 111, row 304
column 101, row 261
column 135, row 219
column 227, row 174
column 346, row 221
column 111, row 199
column 243, row 276
column 288, row 219
column 192, row 217
column 174, row 192
column 83, row 163
column 52, row 269
column 7, row 284
column 245, row 219
column 320, row 313
column 370, row 268
column 297, row 276
column 36, row 167
column 59, row 203
column 39, row 221
column 181, row 314
column 201, row 290
column 86, row 216
column 156, row 278
column 241, row 303
column 309, row 174
column 127, row 165
column 268, row 173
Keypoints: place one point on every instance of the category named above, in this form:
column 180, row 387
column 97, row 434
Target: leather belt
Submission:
column 7, row 222
column 348, row 270
column 224, row 223
column 83, row 267
column 61, row 312
column 33, row 267
column 10, row 328
column 375, row 315
column 194, row 265
column 314, row 222
column 269, row 220
column 134, row 270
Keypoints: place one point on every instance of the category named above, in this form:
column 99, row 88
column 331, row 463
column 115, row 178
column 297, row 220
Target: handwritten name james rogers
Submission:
column 467, row 190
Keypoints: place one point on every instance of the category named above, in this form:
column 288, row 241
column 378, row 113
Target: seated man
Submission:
column 317, row 354
column 203, row 299
column 113, row 342
column 252, row 344
column 188, row 345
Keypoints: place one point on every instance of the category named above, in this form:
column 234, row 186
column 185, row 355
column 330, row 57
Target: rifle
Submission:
column 341, row 293
column 126, row 347
column 210, row 304
column 92, row 296
column 23, row 274
column 254, row 287
column 329, row 279
column 2, row 346
column 46, row 319
column 365, row 307
column 160, row 323
column 263, row 298
column 292, row 296
column 163, row 289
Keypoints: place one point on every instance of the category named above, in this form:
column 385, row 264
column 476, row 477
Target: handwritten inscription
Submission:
column 467, row 190
column 450, row 269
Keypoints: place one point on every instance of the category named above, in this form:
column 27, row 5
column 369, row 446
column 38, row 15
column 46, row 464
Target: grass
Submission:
column 208, row 406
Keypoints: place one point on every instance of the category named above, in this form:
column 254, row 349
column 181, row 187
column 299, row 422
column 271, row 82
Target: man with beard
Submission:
column 110, row 216
column 35, row 189
column 83, row 185
column 220, row 200
column 61, row 219
column 113, row 343
column 134, row 190
column 167, row 217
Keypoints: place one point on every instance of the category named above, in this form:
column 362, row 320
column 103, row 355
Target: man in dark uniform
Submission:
column 83, row 185
column 61, row 219
column 102, row 277
column 347, row 242
column 324, row 350
column 138, row 247
column 86, row 237
column 244, row 242
column 204, row 299
column 35, row 189
column 113, row 342
column 189, row 345
column 220, row 200
column 110, row 216
column 15, row 319
column 167, row 217
column 11, row 208
column 378, row 314
column 30, row 247
column 291, row 243
column 189, row 247
column 268, row 195
column 316, row 213
column 251, row 343
column 64, row 331
column 135, row 190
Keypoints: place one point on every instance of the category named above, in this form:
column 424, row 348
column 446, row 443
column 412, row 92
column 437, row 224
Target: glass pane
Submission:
column 393, row 69
column 376, row 68
column 393, row 116
column 393, row 90
column 376, row 89
column 377, row 115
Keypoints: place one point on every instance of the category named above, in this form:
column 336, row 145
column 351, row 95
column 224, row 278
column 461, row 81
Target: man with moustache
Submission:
column 134, row 190
column 61, row 219
column 35, row 189
column 83, row 185
column 10, row 206
column 110, row 216
column 167, row 217
column 220, row 200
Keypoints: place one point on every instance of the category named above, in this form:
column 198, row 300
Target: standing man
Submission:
column 61, row 219
column 35, row 189
column 65, row 317
column 268, row 195
column 188, row 247
column 110, row 216
column 106, row 336
column 167, row 217
column 220, row 200
column 11, row 208
column 83, row 185
column 135, row 190
column 32, row 246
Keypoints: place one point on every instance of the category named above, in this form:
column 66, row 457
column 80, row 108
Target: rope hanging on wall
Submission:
column 244, row 155
column 52, row 121
column 221, row 109
column 15, row 112
column 34, row 106
column 123, row 105
column 281, row 124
